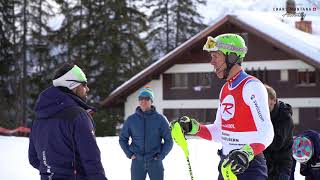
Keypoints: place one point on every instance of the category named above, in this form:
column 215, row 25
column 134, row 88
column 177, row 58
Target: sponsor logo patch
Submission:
column 256, row 105
column 228, row 107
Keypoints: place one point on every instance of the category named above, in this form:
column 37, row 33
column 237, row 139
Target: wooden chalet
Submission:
column 279, row 55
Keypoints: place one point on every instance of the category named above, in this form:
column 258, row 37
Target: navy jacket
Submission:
column 147, row 130
column 62, row 139
column 312, row 168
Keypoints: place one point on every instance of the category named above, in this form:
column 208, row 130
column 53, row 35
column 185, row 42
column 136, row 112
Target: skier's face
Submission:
column 218, row 61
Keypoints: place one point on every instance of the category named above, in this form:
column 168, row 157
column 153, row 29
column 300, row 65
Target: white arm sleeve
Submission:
column 256, row 97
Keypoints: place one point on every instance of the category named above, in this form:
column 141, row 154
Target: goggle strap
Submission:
column 218, row 45
column 231, row 47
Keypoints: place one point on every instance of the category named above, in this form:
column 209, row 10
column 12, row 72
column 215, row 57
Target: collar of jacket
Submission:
column 77, row 99
column 281, row 109
column 52, row 100
column 150, row 112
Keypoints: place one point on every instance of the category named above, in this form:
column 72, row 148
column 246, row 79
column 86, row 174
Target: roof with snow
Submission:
column 275, row 30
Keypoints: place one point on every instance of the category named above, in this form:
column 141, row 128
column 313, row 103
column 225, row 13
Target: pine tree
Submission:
column 40, row 62
column 172, row 22
column 62, row 36
column 121, row 53
column 161, row 34
column 104, row 39
column 6, row 62
column 188, row 20
column 14, row 19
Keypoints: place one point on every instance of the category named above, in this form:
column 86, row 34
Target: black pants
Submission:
column 280, row 176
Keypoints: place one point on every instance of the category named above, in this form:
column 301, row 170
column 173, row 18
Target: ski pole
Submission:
column 227, row 172
column 179, row 138
column 190, row 170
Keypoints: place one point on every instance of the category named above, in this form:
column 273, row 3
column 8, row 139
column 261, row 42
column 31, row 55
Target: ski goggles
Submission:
column 213, row 45
column 83, row 83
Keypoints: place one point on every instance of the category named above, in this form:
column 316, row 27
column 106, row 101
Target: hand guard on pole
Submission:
column 179, row 138
column 189, row 126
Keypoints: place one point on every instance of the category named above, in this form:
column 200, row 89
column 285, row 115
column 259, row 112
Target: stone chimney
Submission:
column 305, row 26
column 302, row 25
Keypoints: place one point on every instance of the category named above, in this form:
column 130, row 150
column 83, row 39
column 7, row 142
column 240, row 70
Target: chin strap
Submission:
column 229, row 66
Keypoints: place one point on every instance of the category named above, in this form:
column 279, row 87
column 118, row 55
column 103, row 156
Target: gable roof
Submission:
column 303, row 45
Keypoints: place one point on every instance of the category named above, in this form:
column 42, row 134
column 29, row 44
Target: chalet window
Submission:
column 306, row 77
column 209, row 115
column 295, row 115
column 284, row 75
column 179, row 81
column 202, row 115
column 176, row 114
column 202, row 80
column 261, row 74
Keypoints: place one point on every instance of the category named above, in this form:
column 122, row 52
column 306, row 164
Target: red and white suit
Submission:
column 243, row 116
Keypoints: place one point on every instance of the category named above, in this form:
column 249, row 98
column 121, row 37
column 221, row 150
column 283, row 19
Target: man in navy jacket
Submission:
column 62, row 140
column 147, row 128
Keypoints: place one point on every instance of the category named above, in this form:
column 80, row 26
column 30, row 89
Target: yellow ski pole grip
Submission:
column 227, row 172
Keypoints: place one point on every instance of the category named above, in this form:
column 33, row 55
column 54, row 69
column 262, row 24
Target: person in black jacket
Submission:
column 62, row 140
column 279, row 154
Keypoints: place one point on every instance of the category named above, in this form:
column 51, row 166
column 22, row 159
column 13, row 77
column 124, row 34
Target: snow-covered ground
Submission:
column 14, row 163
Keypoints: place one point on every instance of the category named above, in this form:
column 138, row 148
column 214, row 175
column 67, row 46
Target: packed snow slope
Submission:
column 14, row 163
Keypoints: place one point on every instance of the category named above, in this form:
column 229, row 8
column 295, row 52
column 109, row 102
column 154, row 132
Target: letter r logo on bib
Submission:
column 227, row 107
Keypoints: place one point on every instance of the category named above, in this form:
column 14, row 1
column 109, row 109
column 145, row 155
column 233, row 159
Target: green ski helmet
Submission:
column 231, row 45
column 228, row 44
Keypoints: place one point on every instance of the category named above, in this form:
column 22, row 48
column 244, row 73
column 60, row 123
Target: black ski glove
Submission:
column 239, row 159
column 189, row 126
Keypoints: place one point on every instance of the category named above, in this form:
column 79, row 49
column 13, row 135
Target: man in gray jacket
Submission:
column 147, row 128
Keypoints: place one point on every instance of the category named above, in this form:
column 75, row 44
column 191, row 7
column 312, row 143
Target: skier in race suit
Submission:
column 242, row 123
